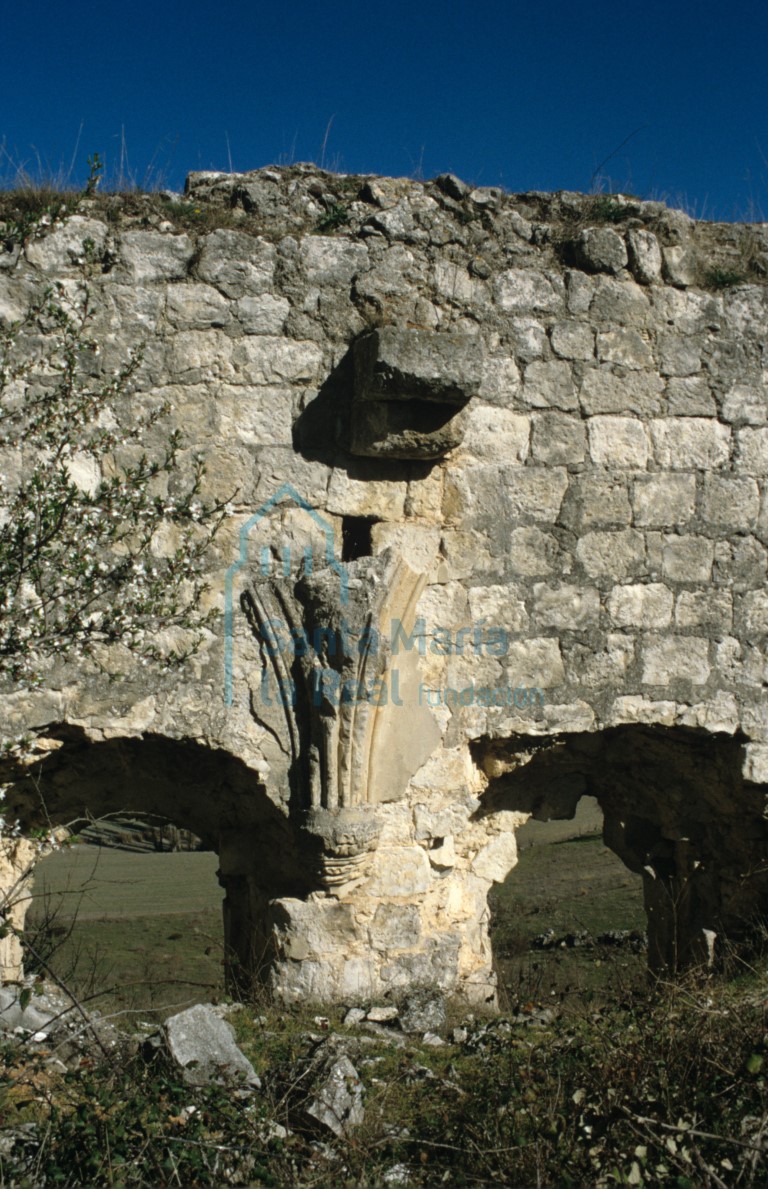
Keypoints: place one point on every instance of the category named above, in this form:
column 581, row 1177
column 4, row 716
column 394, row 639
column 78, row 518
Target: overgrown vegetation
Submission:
column 662, row 1090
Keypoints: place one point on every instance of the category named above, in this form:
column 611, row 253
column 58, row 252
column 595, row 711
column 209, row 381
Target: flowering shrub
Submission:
column 81, row 563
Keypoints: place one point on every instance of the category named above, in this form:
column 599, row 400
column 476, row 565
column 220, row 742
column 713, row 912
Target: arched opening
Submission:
column 246, row 845
column 677, row 811
column 568, row 921
column 129, row 910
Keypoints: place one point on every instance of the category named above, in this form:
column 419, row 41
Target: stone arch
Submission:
column 202, row 789
column 677, row 811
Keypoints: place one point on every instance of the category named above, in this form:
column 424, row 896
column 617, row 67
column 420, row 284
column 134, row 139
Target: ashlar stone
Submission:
column 676, row 658
column 691, row 443
column 746, row 404
column 549, row 385
column 642, row 606
column 626, row 347
column 573, row 340
column 605, row 390
column 569, row 608
column 618, row 442
column 662, row 501
column 558, row 439
column 752, row 451
column 687, row 558
column 612, row 554
column 730, row 502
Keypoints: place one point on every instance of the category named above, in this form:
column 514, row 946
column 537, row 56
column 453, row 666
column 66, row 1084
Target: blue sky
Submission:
column 523, row 95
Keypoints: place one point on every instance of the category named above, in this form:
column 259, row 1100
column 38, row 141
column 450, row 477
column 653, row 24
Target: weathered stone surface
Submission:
column 338, row 1101
column 513, row 501
column 661, row 501
column 203, row 1046
column 573, row 340
column 641, row 606
column 644, row 256
column 618, row 442
column 601, row 249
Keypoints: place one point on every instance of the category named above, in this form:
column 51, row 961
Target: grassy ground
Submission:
column 150, row 926
column 145, row 927
column 566, row 880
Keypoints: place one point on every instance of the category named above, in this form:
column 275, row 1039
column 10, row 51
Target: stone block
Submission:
column 641, row 606
column 691, row 443
column 558, row 439
column 679, row 355
column 573, row 340
column 549, row 385
column 196, row 307
column 687, row 558
column 262, row 314
column 236, row 263
column 399, row 871
column 569, row 608
column 498, row 606
column 619, row 303
column 495, row 861
column 690, row 396
column 662, row 501
column 746, row 404
column 203, row 1046
column 708, row 609
column 532, row 553
column 752, row 613
column 618, row 442
column 644, row 256
column 331, row 261
column 410, row 386
column 595, row 501
column 755, row 764
column 612, row 554
column 680, row 265
column 601, row 249
column 752, row 451
column 535, row 492
column 62, row 250
column 676, row 658
column 626, row 347
column 527, row 338
column 534, row 663
column 500, row 379
column 580, row 290
column 526, row 291
column 587, row 666
column 686, row 312
column 395, row 927
column 268, row 359
column 731, row 503
column 605, row 391
column 634, row 708
column 496, row 435
column 151, row 256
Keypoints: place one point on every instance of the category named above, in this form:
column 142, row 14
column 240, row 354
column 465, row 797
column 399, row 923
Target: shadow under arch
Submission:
column 205, row 790
column 676, row 810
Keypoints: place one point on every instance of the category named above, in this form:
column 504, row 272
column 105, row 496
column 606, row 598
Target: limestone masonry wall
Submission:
column 527, row 444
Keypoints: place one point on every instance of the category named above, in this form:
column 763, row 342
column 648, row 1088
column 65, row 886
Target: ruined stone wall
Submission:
column 526, row 439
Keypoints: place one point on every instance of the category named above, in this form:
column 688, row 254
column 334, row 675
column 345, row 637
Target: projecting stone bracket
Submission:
column 411, row 390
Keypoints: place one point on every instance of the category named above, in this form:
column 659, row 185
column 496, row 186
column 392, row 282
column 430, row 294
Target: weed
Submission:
column 605, row 210
column 723, row 278
column 331, row 220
